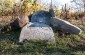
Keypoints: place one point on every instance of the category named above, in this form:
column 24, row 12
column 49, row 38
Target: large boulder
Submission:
column 65, row 26
column 37, row 31
column 41, row 17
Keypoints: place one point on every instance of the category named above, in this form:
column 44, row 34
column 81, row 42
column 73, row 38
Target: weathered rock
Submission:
column 52, row 13
column 16, row 24
column 37, row 31
column 65, row 26
column 41, row 17
column 23, row 20
column 19, row 22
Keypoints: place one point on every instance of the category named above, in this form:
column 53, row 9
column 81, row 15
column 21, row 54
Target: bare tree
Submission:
column 79, row 5
column 84, row 4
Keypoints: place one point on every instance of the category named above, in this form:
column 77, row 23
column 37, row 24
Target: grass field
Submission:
column 70, row 45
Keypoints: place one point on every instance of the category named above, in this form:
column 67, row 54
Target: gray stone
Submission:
column 65, row 26
column 52, row 13
column 37, row 31
column 41, row 17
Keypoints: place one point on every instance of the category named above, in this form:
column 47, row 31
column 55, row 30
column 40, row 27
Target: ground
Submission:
column 69, row 45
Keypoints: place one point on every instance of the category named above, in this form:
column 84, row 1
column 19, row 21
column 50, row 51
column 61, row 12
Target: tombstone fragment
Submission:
column 65, row 26
column 37, row 31
column 41, row 17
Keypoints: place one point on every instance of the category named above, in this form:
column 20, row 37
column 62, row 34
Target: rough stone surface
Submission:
column 37, row 31
column 41, row 17
column 19, row 22
column 52, row 13
column 65, row 26
column 23, row 20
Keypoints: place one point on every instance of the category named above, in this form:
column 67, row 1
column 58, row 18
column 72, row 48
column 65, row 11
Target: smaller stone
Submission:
column 52, row 13
column 37, row 31
column 23, row 20
column 19, row 22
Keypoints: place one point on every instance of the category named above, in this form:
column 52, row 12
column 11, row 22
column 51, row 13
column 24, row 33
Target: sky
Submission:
column 60, row 3
column 64, row 1
column 54, row 1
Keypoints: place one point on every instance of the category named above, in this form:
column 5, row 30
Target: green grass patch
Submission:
column 70, row 45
